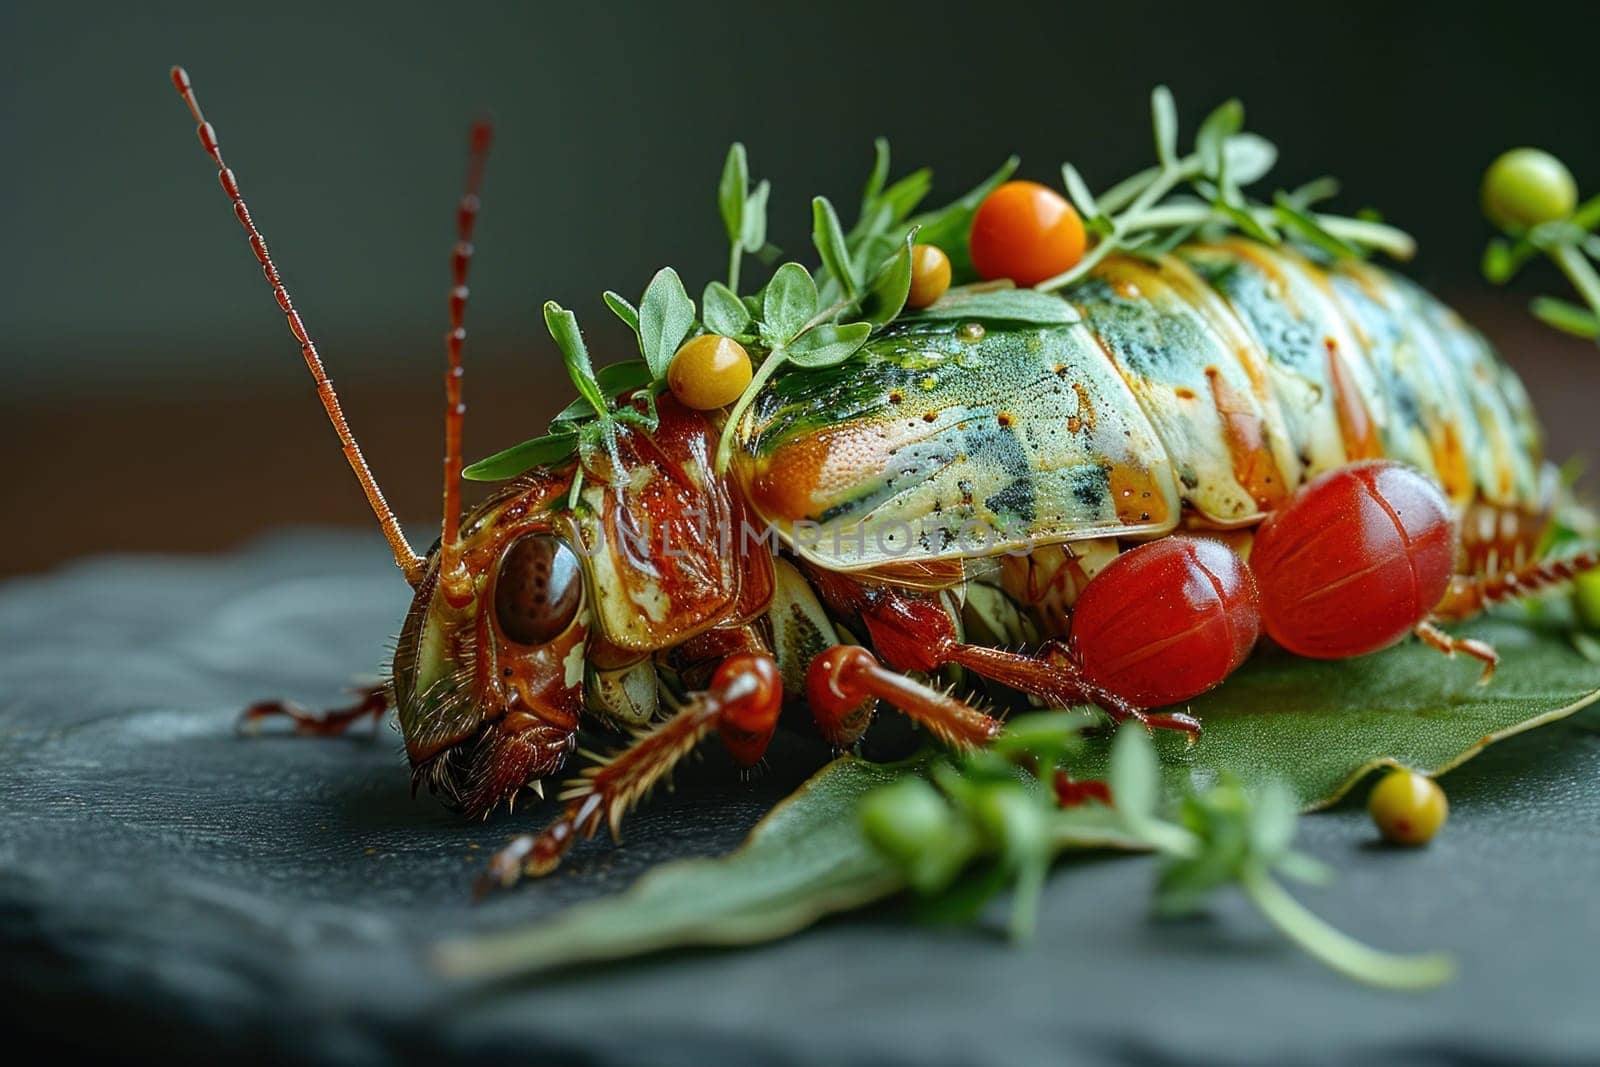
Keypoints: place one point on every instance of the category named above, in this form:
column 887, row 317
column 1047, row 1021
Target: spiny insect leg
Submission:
column 845, row 682
column 1470, row 595
column 742, row 704
column 373, row 700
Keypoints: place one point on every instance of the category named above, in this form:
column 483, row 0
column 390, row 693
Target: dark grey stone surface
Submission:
column 167, row 887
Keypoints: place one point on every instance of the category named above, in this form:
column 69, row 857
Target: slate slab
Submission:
column 169, row 889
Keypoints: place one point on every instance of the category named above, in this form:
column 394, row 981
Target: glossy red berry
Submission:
column 1166, row 621
column 1354, row 560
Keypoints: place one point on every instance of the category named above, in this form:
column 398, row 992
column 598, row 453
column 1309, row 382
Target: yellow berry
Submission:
column 1408, row 807
column 930, row 275
column 709, row 372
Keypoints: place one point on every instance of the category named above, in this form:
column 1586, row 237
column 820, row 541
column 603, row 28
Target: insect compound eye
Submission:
column 538, row 589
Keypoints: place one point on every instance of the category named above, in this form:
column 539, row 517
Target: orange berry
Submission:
column 1026, row 232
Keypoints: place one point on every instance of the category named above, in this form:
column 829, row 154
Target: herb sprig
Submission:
column 1570, row 243
column 1134, row 216
column 978, row 827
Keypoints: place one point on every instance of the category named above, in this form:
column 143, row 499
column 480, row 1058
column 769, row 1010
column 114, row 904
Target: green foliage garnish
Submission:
column 1134, row 215
column 1312, row 727
column 982, row 816
column 1536, row 216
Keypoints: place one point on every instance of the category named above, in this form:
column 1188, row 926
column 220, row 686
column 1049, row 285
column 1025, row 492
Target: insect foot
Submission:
column 373, row 701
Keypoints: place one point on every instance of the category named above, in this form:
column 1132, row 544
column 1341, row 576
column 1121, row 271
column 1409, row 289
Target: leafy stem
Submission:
column 1132, row 216
column 1336, row 949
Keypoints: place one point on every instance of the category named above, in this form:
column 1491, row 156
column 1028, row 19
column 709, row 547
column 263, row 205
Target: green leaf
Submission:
column 1078, row 190
column 613, row 380
column 788, row 304
column 1248, row 157
column 1247, row 223
column 823, row 346
column 723, row 311
column 879, row 176
column 1305, row 226
column 808, row 858
column 1223, row 123
column 666, row 315
column 753, row 233
column 1498, row 266
column 1321, row 726
column 519, row 458
column 563, row 326
column 997, row 305
column 732, row 191
column 1134, row 775
column 624, row 311
column 1164, row 117
column 828, row 237
column 949, row 226
column 886, row 293
column 1568, row 318
column 903, row 196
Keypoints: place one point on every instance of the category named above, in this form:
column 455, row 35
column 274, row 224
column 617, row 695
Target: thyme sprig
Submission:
column 978, row 827
column 1135, row 216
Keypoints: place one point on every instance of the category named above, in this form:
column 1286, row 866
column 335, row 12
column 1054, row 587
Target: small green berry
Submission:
column 1586, row 598
column 1525, row 187
column 1409, row 808
column 909, row 822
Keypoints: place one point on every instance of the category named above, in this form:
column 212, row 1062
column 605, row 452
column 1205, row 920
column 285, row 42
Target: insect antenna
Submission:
column 410, row 564
column 455, row 410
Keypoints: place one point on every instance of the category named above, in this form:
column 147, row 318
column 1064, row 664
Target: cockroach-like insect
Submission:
column 1348, row 461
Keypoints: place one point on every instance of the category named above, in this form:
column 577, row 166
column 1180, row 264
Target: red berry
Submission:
column 1354, row 560
column 1166, row 621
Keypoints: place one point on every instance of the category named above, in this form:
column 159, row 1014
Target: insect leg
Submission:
column 372, row 700
column 1470, row 594
column 1449, row 644
column 741, row 703
column 845, row 682
column 912, row 632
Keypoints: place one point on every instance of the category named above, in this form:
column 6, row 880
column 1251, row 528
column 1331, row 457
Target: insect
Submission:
column 1104, row 496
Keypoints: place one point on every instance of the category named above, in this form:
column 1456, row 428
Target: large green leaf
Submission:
column 806, row 859
column 1316, row 727
column 1321, row 726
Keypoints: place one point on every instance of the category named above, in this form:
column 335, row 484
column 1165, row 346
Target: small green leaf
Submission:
column 1273, row 812
column 1497, row 264
column 1568, row 318
column 517, row 459
column 886, row 293
column 828, row 237
column 753, row 233
column 998, row 305
column 613, row 380
column 666, row 315
column 563, row 326
column 823, row 346
column 624, row 311
column 1164, row 117
column 904, row 195
column 878, row 177
column 1248, row 157
column 732, row 191
column 723, row 311
column 1223, row 123
column 1078, row 190
column 788, row 304
column 1247, row 223
column 1305, row 226
column 1133, row 774
column 948, row 227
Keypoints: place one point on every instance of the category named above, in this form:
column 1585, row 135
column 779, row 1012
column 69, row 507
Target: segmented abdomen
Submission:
column 1197, row 389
